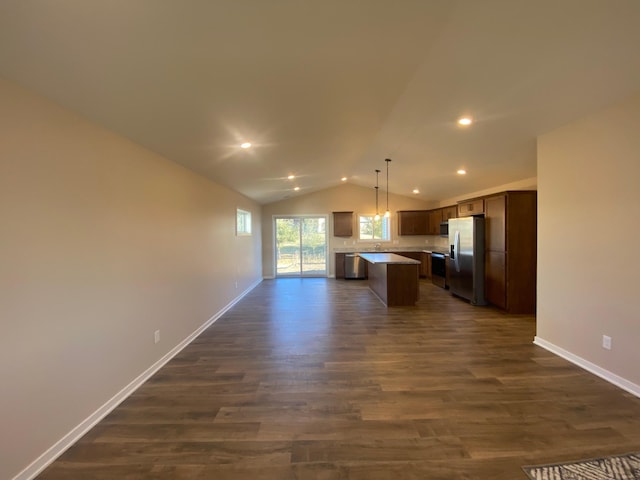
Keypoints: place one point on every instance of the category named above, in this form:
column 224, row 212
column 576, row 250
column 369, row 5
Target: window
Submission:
column 372, row 229
column 243, row 222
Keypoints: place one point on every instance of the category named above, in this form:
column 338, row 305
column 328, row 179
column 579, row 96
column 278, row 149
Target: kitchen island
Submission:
column 393, row 278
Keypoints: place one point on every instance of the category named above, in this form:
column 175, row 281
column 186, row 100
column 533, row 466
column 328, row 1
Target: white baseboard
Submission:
column 616, row 380
column 44, row 460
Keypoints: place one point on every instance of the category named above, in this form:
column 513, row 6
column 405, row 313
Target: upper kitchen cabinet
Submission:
column 510, row 243
column 343, row 224
column 413, row 222
column 435, row 219
column 449, row 212
column 440, row 215
column 471, row 207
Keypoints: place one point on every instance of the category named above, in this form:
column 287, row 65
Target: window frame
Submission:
column 386, row 232
column 243, row 223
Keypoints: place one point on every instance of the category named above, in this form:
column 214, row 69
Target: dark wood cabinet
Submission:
column 510, row 257
column 339, row 266
column 471, row 207
column 435, row 219
column 447, row 266
column 495, row 279
column 342, row 224
column 425, row 267
column 449, row 212
column 413, row 222
column 412, row 255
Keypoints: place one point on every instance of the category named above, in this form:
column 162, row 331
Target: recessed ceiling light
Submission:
column 297, row 188
column 245, row 145
column 416, row 191
column 344, row 179
column 462, row 171
column 291, row 177
column 465, row 121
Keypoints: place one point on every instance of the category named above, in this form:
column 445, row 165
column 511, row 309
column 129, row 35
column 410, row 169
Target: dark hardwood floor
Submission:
column 316, row 379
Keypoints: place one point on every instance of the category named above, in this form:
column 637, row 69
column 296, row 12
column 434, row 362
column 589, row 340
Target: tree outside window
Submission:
column 372, row 229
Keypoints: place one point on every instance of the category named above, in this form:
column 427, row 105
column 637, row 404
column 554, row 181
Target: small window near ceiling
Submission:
column 243, row 222
column 372, row 229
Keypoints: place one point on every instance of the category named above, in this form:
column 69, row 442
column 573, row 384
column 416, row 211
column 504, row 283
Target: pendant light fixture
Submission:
column 377, row 217
column 387, row 214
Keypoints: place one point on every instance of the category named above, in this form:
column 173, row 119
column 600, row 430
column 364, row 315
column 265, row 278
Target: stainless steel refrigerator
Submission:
column 466, row 258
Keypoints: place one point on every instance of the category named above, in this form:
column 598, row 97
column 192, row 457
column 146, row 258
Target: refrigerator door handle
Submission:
column 456, row 242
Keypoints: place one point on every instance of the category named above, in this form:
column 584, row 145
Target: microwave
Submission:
column 444, row 229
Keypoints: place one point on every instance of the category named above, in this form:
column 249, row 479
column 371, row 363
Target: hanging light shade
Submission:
column 387, row 213
column 377, row 217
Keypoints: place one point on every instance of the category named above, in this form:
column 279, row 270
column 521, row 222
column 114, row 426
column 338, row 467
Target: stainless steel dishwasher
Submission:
column 353, row 266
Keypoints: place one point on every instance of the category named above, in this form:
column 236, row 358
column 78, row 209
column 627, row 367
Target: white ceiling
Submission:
column 329, row 88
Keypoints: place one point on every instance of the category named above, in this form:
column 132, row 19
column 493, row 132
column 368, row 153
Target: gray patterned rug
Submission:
column 618, row 467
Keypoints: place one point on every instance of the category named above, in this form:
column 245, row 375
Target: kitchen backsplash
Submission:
column 413, row 241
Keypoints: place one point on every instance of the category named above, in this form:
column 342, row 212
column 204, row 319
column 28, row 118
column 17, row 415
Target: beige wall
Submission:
column 345, row 197
column 101, row 244
column 588, row 236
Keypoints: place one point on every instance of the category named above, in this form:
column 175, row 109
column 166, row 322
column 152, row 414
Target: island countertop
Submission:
column 398, row 250
column 388, row 258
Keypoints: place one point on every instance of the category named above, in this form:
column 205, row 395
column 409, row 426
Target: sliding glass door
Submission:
column 301, row 246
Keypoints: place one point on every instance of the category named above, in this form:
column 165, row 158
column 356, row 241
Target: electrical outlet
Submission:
column 606, row 342
column 156, row 336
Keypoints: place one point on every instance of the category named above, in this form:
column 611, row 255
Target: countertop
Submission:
column 388, row 258
column 426, row 249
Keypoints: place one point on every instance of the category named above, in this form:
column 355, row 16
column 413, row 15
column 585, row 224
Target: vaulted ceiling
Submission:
column 325, row 89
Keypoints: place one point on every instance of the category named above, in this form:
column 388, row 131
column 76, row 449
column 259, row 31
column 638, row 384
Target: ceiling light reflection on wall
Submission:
column 416, row 191
column 465, row 121
column 462, row 171
column 245, row 145
column 343, row 179
column 291, row 177
column 296, row 188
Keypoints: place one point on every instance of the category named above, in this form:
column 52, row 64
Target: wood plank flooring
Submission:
column 316, row 379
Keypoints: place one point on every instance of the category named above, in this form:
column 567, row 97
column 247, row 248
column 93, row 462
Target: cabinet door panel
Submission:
column 413, row 222
column 339, row 265
column 495, row 278
column 449, row 212
column 435, row 219
column 425, row 268
column 495, row 223
column 471, row 207
column 342, row 224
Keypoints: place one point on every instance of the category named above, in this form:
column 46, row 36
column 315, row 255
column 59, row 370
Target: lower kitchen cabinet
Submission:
column 339, row 266
column 425, row 267
column 447, row 264
column 495, row 279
